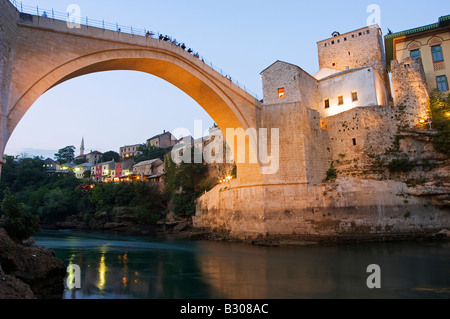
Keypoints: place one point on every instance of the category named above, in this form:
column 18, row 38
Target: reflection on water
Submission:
column 156, row 268
column 101, row 273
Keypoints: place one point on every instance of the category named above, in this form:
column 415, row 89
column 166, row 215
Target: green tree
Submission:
column 80, row 161
column 65, row 155
column 184, row 204
column 28, row 172
column 87, row 174
column 440, row 114
column 170, row 168
column 19, row 223
column 185, row 182
column 110, row 156
column 57, row 206
column 186, row 176
column 8, row 172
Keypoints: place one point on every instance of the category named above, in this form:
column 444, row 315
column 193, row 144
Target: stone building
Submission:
column 343, row 118
column 431, row 43
column 359, row 48
column 51, row 166
column 344, row 113
column 128, row 151
column 92, row 158
column 351, row 88
column 103, row 171
column 147, row 169
column 352, row 74
column 124, row 168
column 79, row 170
column 410, row 91
column 164, row 140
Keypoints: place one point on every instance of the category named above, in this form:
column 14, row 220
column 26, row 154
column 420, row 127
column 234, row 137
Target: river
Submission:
column 133, row 267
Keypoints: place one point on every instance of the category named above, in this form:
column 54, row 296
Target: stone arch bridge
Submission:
column 38, row 53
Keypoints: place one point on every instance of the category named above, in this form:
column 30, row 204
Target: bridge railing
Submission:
column 86, row 21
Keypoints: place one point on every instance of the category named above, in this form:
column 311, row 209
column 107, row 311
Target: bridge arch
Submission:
column 227, row 104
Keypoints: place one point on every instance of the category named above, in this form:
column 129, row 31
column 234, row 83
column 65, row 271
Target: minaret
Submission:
column 82, row 147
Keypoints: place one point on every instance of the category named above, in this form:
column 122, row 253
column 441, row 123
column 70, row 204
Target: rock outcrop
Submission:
column 29, row 271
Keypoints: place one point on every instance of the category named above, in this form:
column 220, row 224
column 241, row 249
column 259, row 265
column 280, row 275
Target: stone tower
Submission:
column 82, row 147
column 410, row 91
column 363, row 47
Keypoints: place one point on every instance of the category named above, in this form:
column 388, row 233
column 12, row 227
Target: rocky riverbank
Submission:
column 29, row 271
column 121, row 220
column 309, row 240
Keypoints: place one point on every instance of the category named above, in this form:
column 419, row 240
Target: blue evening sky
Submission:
column 242, row 37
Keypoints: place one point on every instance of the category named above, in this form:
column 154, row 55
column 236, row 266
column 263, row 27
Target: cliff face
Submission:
column 29, row 272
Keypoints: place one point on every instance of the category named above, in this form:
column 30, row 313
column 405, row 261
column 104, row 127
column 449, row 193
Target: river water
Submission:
column 129, row 267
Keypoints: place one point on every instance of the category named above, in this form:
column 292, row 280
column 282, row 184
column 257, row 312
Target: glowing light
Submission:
column 101, row 273
column 226, row 179
column 422, row 121
column 281, row 93
column 124, row 260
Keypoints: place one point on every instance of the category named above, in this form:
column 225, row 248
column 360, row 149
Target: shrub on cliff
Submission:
column 440, row 113
column 184, row 204
column 331, row 174
column 401, row 165
column 18, row 223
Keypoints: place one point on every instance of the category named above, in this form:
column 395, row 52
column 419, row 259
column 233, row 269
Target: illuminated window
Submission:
column 436, row 51
column 354, row 96
column 327, row 103
column 415, row 54
column 340, row 100
column 281, row 93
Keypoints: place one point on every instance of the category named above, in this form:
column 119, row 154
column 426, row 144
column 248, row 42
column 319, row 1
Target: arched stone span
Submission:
column 47, row 53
